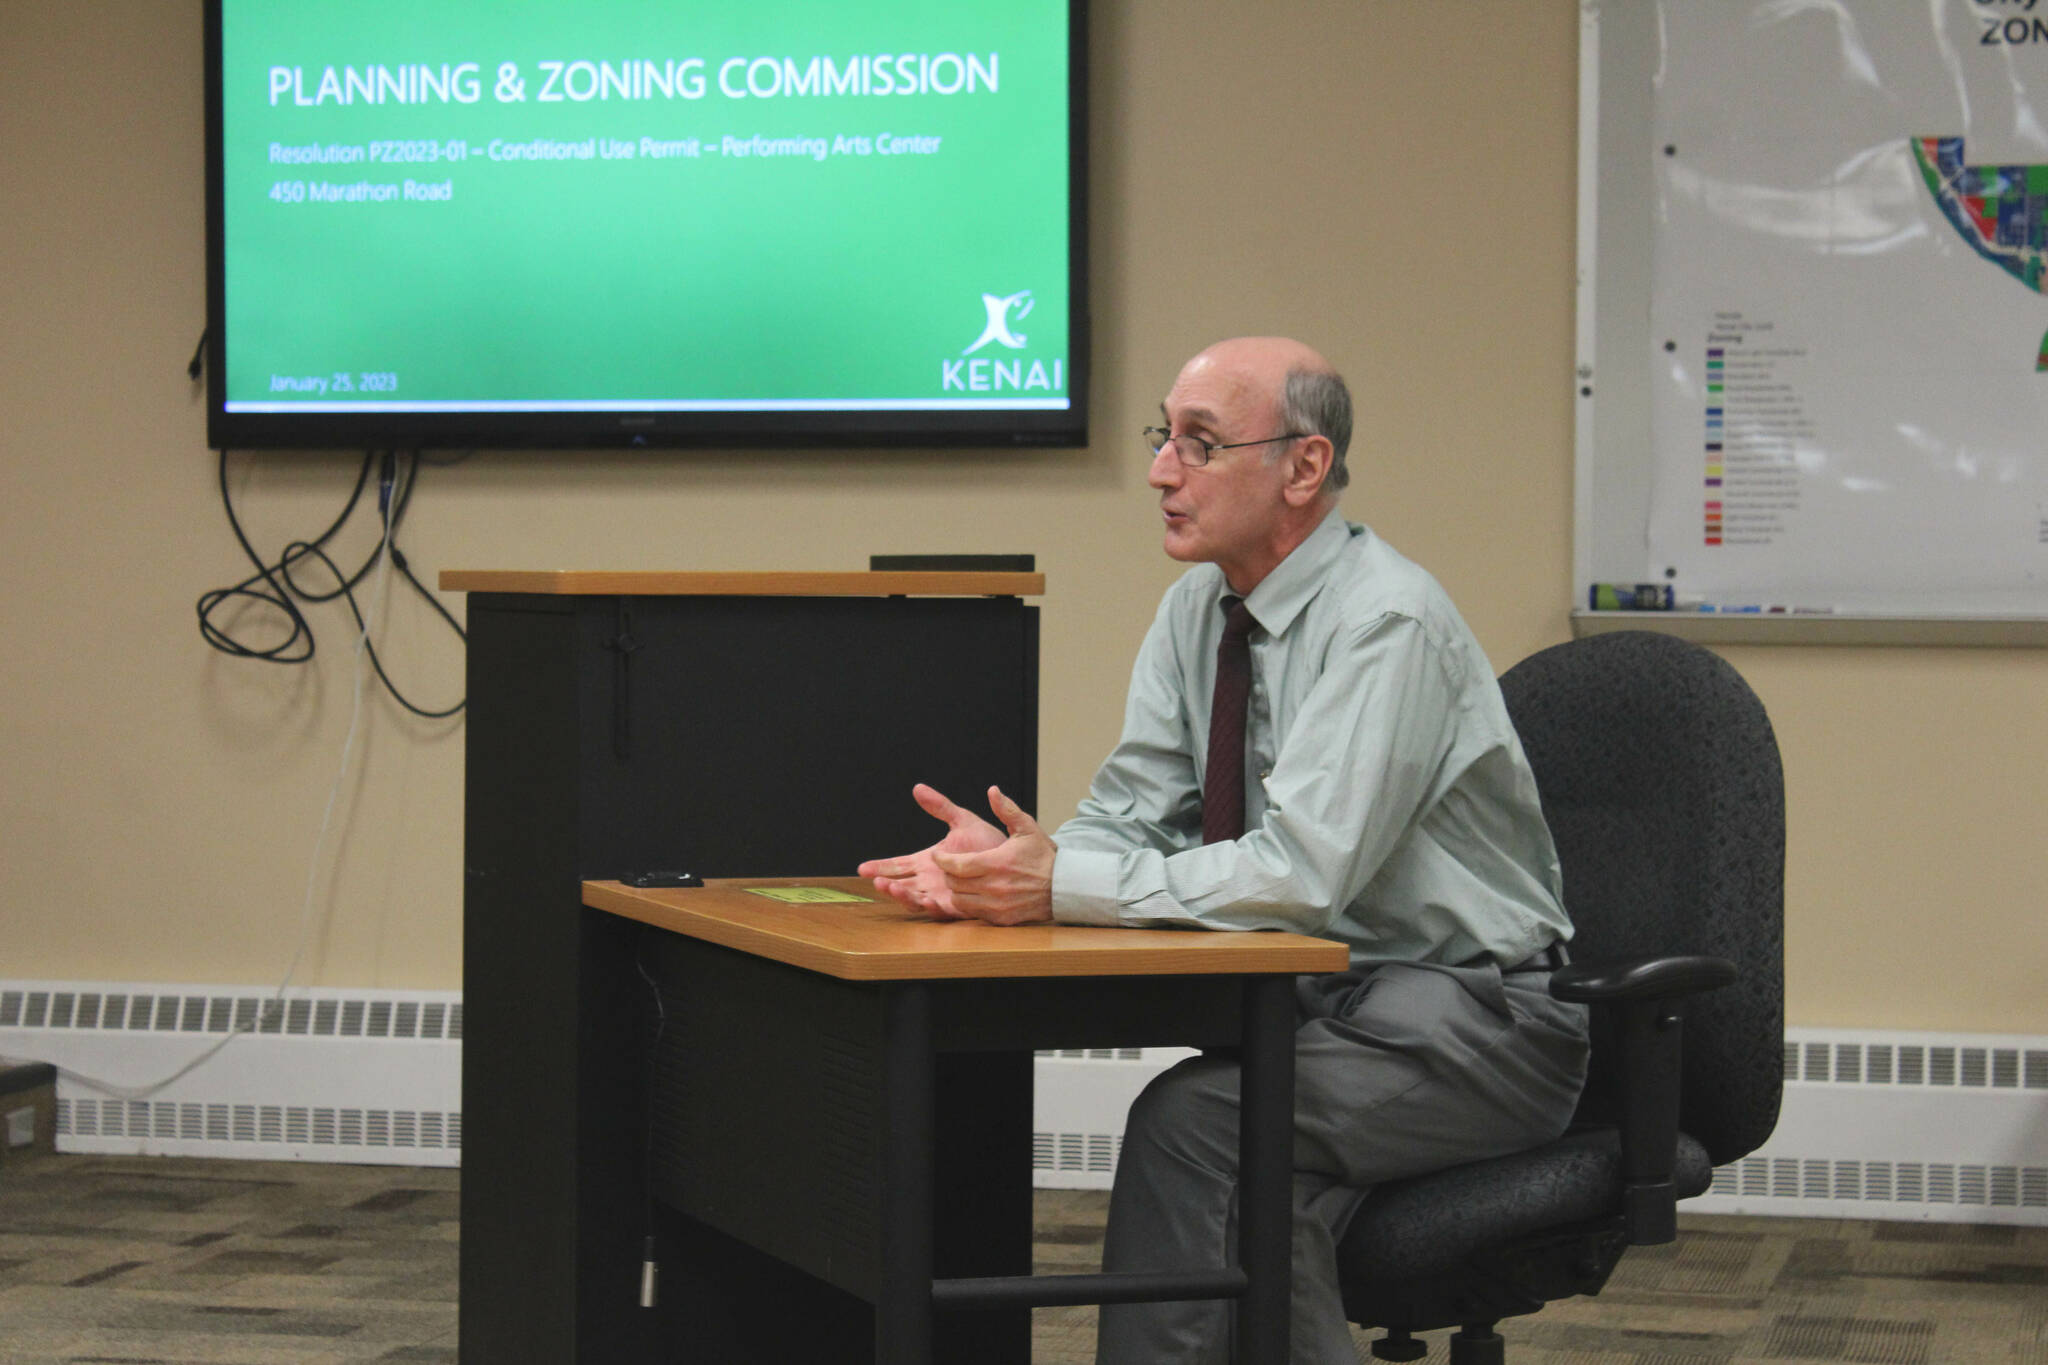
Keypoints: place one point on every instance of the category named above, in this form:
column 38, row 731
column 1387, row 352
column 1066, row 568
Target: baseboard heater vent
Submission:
column 1078, row 1109
column 361, row 1076
column 2012, row 1067
column 1075, row 1154
column 1875, row 1124
column 258, row 1123
column 298, row 1015
column 1942, row 1127
column 1904, row 1182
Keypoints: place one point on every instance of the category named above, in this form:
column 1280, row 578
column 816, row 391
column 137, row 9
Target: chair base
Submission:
column 1472, row 1344
column 1398, row 1345
column 1506, row 1283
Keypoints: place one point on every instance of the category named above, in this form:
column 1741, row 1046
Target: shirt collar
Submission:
column 1295, row 581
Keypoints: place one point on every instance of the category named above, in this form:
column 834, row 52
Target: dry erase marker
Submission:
column 1763, row 609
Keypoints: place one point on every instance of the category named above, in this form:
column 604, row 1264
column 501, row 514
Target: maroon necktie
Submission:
column 1223, row 782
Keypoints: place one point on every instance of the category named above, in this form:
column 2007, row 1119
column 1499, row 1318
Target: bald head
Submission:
column 1260, row 359
column 1289, row 384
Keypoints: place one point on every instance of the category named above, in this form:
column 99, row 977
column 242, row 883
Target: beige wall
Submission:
column 1397, row 189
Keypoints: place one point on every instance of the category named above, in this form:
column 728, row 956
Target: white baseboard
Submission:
column 1939, row 1126
column 1945, row 1127
column 371, row 1077
column 1078, row 1109
column 1942, row 1127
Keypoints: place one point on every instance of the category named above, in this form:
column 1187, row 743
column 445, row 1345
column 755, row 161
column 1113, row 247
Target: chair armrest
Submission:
column 1639, row 978
column 1644, row 998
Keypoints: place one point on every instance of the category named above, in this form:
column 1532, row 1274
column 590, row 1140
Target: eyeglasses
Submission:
column 1194, row 452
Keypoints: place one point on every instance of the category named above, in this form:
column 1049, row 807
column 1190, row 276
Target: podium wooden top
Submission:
column 875, row 939
column 616, row 583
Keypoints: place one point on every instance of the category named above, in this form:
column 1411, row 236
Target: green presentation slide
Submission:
column 777, row 205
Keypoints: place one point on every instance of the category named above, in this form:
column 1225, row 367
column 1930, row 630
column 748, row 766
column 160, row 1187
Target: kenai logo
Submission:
column 998, row 328
column 984, row 375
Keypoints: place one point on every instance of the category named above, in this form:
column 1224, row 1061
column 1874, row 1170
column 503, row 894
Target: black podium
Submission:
column 727, row 725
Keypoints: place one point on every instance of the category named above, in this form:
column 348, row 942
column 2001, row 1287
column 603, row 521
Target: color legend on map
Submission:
column 1752, row 426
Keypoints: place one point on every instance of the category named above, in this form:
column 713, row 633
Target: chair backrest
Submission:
column 1661, row 782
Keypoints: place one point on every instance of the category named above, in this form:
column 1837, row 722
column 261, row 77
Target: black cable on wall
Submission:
column 274, row 585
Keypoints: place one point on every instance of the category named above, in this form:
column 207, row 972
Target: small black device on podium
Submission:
column 658, row 879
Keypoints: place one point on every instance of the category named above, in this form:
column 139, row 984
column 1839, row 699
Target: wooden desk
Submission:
column 878, row 940
column 828, row 1077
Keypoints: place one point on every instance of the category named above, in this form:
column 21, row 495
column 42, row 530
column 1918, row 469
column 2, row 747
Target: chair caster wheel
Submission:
column 1478, row 1346
column 1398, row 1345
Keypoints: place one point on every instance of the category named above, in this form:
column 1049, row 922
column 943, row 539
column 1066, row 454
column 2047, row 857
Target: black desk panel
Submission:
column 740, row 735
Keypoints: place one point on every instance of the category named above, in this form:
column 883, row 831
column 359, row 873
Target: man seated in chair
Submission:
column 1313, row 741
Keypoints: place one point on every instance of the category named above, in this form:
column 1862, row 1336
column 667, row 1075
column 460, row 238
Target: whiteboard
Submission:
column 1813, row 332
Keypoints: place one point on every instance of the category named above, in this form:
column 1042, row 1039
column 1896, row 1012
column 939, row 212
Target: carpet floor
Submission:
column 160, row 1261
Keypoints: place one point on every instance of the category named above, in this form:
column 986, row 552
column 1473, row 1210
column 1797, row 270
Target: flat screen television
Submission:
column 587, row 223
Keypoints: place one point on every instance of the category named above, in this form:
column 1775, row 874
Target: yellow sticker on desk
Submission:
column 807, row 895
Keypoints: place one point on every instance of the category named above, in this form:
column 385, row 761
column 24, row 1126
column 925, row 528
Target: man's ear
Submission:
column 1308, row 464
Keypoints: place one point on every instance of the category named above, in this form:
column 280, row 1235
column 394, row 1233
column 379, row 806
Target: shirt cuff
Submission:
column 1084, row 887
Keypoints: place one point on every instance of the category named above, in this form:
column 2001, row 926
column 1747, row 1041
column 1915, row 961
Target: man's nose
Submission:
column 1166, row 468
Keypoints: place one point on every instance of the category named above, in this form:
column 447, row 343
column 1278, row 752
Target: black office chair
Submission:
column 1661, row 782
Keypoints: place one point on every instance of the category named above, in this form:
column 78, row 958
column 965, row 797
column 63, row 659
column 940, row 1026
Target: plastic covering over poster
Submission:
column 1850, row 399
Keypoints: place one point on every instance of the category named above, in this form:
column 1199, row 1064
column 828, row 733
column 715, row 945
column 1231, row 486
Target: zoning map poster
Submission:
column 1849, row 402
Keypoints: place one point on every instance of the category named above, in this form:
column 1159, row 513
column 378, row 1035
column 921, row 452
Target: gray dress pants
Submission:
column 1402, row 1069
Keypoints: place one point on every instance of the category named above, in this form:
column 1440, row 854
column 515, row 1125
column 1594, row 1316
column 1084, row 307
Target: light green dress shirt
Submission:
column 1387, row 799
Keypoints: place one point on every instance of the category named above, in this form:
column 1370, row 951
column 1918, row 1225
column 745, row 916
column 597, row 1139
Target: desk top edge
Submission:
column 667, row 583
column 931, row 950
